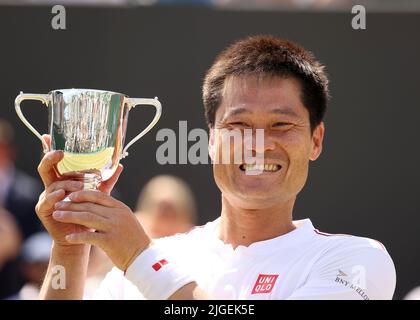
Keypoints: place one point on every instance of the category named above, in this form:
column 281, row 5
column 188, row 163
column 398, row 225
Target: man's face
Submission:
column 273, row 104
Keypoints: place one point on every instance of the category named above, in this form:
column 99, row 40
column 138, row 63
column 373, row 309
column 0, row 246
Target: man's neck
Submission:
column 241, row 226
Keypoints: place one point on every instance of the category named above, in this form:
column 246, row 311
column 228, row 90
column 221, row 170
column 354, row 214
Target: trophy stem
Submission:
column 90, row 181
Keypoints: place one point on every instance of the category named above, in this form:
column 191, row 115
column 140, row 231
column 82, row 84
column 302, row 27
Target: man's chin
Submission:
column 258, row 189
column 257, row 199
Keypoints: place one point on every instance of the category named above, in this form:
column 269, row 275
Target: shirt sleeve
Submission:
column 115, row 286
column 350, row 273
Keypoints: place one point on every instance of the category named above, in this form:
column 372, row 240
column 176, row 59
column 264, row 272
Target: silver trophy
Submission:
column 89, row 126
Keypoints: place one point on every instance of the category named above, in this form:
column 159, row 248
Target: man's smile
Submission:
column 257, row 168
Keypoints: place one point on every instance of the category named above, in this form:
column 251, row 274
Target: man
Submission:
column 254, row 250
column 11, row 279
column 166, row 206
column 18, row 191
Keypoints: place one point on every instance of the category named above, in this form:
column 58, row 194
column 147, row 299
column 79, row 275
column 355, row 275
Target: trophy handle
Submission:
column 44, row 98
column 132, row 102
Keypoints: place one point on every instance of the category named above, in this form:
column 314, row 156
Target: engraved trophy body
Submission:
column 89, row 126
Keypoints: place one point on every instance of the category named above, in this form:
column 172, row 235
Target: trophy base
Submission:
column 90, row 181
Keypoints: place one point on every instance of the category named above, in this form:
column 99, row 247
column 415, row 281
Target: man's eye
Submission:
column 281, row 124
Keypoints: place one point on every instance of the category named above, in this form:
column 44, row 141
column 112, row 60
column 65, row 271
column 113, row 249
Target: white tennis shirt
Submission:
column 302, row 264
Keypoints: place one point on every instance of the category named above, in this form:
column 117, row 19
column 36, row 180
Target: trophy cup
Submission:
column 89, row 126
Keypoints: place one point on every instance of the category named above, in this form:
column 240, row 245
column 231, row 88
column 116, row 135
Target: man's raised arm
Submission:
column 66, row 273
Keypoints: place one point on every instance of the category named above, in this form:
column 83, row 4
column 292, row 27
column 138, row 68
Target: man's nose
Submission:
column 259, row 141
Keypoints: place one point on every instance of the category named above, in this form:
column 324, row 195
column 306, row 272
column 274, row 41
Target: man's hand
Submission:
column 118, row 232
column 56, row 190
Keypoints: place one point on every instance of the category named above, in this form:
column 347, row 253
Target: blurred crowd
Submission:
column 391, row 5
column 18, row 222
column 166, row 206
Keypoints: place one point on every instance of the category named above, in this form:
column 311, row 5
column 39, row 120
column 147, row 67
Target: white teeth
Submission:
column 270, row 167
column 261, row 167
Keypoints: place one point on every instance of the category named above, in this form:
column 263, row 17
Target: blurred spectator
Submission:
column 34, row 263
column 18, row 192
column 166, row 206
column 18, row 197
column 283, row 4
column 99, row 266
column 10, row 237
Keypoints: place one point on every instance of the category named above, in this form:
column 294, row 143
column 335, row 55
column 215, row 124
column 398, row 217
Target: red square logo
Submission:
column 265, row 283
column 159, row 264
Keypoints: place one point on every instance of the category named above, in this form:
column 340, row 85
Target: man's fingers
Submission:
column 67, row 185
column 87, row 219
column 49, row 200
column 84, row 207
column 88, row 237
column 46, row 167
column 97, row 197
column 109, row 184
column 47, row 140
column 55, row 193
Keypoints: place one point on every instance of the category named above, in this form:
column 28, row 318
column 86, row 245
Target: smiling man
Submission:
column 254, row 250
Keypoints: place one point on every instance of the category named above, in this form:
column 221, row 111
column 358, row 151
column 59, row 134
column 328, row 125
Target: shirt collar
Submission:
column 303, row 232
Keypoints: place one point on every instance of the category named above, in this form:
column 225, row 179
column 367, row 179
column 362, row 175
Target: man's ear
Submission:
column 212, row 148
column 317, row 139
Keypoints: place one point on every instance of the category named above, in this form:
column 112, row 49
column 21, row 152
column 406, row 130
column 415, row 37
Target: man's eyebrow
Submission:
column 285, row 111
column 237, row 111
column 281, row 111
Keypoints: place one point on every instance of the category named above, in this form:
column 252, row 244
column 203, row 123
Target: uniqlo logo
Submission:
column 265, row 283
column 159, row 264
